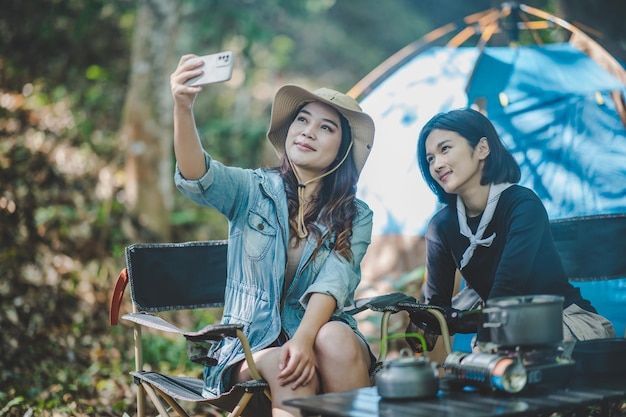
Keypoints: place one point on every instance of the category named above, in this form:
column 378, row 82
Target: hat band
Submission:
column 302, row 230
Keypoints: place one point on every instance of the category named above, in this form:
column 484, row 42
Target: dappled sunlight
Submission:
column 73, row 161
column 7, row 204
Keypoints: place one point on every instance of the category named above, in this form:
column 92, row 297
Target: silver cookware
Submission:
column 407, row 377
column 525, row 320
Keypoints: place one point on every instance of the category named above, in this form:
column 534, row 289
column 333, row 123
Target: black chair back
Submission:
column 177, row 276
column 592, row 247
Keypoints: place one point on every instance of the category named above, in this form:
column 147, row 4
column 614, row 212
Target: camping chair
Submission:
column 192, row 275
column 593, row 253
column 179, row 276
column 428, row 320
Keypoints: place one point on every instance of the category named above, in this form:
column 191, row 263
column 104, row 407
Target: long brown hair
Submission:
column 334, row 205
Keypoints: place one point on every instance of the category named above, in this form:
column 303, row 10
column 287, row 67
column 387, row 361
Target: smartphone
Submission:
column 217, row 68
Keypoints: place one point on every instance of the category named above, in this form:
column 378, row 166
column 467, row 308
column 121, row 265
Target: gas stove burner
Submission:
column 509, row 370
column 533, row 355
column 485, row 370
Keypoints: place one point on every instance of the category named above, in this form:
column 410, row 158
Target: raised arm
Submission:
column 187, row 146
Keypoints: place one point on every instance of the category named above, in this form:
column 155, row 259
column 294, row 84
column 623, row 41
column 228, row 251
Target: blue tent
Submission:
column 558, row 119
column 554, row 108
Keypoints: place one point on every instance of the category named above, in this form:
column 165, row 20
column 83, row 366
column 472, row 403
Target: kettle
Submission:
column 407, row 377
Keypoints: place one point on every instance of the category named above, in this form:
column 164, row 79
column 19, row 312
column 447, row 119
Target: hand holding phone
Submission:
column 216, row 69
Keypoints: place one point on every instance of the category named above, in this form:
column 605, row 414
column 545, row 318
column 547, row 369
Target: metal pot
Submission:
column 407, row 377
column 525, row 320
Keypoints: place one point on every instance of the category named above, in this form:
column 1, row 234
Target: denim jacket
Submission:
column 255, row 203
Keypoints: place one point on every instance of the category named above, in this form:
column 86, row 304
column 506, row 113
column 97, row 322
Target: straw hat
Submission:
column 290, row 98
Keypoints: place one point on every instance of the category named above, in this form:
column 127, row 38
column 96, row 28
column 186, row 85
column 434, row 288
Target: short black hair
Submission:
column 500, row 166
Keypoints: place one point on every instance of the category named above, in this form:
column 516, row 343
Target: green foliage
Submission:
column 169, row 354
column 60, row 39
column 61, row 92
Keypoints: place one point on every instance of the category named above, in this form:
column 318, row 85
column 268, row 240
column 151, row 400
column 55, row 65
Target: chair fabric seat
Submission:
column 190, row 389
column 180, row 387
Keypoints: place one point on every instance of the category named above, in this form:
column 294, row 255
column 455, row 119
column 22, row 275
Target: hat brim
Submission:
column 290, row 98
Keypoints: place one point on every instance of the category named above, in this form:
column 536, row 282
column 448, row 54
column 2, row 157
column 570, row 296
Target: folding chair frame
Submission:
column 162, row 388
column 166, row 391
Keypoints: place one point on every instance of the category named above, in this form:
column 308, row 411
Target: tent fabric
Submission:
column 560, row 123
column 539, row 73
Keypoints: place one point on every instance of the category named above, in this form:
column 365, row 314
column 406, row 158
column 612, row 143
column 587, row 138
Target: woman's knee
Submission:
column 338, row 341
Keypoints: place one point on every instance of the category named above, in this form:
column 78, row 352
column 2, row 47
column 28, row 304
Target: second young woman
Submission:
column 495, row 232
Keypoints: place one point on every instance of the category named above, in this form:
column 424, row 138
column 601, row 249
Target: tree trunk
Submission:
column 147, row 120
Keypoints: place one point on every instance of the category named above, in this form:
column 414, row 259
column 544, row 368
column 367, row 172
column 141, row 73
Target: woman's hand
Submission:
column 297, row 363
column 183, row 95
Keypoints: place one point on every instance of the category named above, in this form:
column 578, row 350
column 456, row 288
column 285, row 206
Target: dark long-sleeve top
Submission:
column 522, row 260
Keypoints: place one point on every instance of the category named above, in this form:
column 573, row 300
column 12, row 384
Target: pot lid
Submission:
column 524, row 300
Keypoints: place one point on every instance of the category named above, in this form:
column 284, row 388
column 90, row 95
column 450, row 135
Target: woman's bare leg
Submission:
column 267, row 362
column 343, row 360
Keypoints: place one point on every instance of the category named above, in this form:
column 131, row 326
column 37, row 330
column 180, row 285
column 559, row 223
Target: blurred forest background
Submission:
column 86, row 162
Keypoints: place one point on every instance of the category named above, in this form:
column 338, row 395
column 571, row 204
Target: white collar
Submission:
column 477, row 239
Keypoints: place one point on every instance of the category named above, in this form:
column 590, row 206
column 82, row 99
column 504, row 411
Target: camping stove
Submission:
column 509, row 370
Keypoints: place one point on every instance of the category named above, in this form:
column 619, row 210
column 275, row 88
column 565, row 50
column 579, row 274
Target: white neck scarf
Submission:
column 477, row 239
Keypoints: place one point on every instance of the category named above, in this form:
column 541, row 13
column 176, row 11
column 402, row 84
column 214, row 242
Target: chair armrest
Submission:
column 379, row 303
column 210, row 332
column 466, row 321
column 199, row 342
column 458, row 321
column 116, row 298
